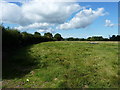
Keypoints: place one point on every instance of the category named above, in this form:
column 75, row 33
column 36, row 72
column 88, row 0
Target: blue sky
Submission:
column 95, row 28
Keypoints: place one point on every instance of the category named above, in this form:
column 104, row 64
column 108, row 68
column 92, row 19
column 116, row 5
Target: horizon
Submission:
column 81, row 20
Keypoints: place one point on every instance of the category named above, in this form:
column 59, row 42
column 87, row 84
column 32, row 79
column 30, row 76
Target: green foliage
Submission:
column 13, row 39
column 58, row 37
column 27, row 38
column 48, row 35
column 37, row 34
column 96, row 38
column 57, row 64
column 115, row 38
column 63, row 65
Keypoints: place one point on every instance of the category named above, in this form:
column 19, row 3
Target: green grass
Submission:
column 63, row 65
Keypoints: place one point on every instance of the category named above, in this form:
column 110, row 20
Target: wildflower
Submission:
column 27, row 80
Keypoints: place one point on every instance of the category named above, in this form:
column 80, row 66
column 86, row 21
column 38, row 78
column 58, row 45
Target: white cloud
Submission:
column 45, row 30
column 83, row 19
column 38, row 11
column 43, row 15
column 34, row 26
column 9, row 12
column 35, row 13
column 108, row 23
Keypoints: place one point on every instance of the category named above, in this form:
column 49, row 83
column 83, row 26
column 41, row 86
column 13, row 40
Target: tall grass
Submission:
column 64, row 65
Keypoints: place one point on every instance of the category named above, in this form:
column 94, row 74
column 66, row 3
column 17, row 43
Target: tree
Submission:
column 27, row 38
column 118, row 37
column 37, row 37
column 11, row 38
column 48, row 35
column 70, row 39
column 113, row 38
column 58, row 37
column 95, row 38
column 37, row 34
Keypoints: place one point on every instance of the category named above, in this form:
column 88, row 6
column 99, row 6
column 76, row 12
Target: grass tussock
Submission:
column 63, row 65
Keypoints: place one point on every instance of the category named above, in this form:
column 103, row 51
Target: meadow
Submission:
column 63, row 64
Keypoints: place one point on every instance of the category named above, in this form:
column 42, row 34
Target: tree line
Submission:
column 12, row 38
column 95, row 38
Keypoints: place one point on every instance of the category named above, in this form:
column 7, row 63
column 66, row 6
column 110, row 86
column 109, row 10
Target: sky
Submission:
column 70, row 19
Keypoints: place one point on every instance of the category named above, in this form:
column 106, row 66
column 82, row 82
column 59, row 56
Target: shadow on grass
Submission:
column 17, row 64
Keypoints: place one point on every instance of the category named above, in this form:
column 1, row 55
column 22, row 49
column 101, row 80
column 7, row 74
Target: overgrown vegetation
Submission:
column 95, row 38
column 58, row 64
column 63, row 65
column 13, row 39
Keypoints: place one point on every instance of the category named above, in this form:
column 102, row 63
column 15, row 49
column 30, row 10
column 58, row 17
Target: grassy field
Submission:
column 63, row 65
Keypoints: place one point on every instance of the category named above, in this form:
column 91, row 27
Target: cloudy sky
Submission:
column 70, row 19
